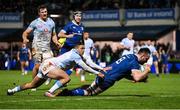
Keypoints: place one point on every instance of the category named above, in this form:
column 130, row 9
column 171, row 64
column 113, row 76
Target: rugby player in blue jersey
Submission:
column 72, row 32
column 128, row 66
column 24, row 55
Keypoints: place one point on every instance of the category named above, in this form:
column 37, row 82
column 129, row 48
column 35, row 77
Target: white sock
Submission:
column 57, row 85
column 16, row 89
column 82, row 75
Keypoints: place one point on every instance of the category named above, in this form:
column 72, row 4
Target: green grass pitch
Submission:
column 158, row 93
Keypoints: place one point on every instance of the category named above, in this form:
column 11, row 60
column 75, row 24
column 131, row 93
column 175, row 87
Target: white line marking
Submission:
column 82, row 98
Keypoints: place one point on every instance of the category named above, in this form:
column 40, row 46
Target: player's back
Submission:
column 23, row 53
column 67, row 60
column 123, row 66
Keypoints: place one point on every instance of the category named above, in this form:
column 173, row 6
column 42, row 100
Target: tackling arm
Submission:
column 87, row 68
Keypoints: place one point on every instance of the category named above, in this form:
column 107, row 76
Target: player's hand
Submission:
column 58, row 45
column 147, row 68
column 107, row 68
column 18, row 59
column 101, row 75
column 25, row 41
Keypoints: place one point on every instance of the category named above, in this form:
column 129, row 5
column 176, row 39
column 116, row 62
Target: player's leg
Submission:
column 26, row 67
column 46, row 55
column 36, row 82
column 82, row 73
column 22, row 67
column 62, row 78
column 156, row 67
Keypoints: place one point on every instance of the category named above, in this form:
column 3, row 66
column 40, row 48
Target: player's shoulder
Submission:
column 50, row 19
column 132, row 57
column 34, row 21
column 74, row 54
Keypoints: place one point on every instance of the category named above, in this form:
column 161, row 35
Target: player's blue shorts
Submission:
column 108, row 80
column 24, row 59
column 155, row 58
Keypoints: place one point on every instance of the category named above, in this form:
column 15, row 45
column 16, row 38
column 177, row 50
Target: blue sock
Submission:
column 78, row 92
column 69, row 72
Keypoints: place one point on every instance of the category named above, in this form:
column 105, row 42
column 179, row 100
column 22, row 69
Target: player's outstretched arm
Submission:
column 138, row 75
column 87, row 68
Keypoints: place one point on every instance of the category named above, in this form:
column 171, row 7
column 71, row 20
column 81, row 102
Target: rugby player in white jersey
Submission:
column 89, row 45
column 55, row 68
column 43, row 29
column 127, row 44
column 154, row 56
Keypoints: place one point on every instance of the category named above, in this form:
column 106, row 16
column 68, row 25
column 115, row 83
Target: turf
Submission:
column 158, row 93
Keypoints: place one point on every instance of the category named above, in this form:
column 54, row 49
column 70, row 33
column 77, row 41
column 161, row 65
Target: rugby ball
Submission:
column 62, row 41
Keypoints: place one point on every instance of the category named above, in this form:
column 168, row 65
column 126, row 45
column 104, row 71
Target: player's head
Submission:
column 42, row 11
column 23, row 45
column 80, row 48
column 86, row 35
column 143, row 55
column 149, row 42
column 77, row 16
column 130, row 35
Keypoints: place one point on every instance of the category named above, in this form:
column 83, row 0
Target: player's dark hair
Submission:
column 144, row 50
column 75, row 13
column 80, row 43
column 41, row 7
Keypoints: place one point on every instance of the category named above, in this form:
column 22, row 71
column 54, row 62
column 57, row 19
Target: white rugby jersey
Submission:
column 88, row 45
column 42, row 33
column 69, row 59
column 128, row 43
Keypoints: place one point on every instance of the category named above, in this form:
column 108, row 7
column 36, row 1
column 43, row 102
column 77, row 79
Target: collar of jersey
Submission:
column 74, row 22
column 43, row 20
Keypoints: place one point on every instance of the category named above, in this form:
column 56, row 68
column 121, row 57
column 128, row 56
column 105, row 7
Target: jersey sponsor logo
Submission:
column 39, row 26
column 45, row 30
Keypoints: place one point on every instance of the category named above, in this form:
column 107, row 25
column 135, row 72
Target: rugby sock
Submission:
column 57, row 85
column 16, row 89
column 69, row 72
column 78, row 92
column 82, row 72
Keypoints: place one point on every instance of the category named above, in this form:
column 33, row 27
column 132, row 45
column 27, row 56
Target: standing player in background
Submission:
column 154, row 56
column 43, row 29
column 24, row 55
column 127, row 44
column 89, row 45
column 72, row 33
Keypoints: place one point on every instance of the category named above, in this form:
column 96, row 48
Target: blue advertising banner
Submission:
column 100, row 15
column 10, row 17
column 140, row 14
